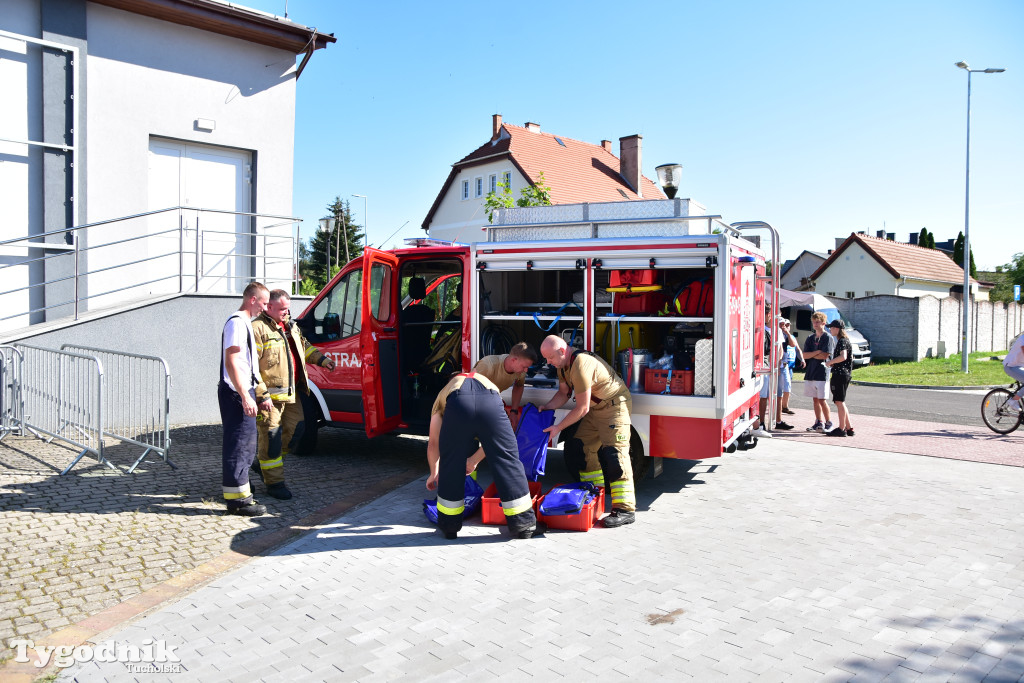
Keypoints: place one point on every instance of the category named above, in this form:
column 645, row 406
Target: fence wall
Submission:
column 912, row 328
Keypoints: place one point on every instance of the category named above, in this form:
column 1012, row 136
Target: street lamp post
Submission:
column 366, row 220
column 966, row 338
column 327, row 225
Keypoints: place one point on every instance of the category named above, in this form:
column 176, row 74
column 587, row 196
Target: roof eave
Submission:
column 229, row 20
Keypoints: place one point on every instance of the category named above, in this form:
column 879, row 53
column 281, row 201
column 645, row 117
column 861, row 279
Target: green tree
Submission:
column 1013, row 274
column 313, row 259
column 958, row 254
column 537, row 194
column 926, row 239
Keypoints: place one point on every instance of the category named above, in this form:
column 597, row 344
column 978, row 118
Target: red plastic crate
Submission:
column 581, row 521
column 655, row 380
column 490, row 507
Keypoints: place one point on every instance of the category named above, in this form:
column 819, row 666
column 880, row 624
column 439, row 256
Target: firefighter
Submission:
column 509, row 370
column 469, row 409
column 236, row 394
column 600, row 447
column 283, row 353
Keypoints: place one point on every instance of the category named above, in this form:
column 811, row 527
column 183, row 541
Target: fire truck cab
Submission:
column 675, row 303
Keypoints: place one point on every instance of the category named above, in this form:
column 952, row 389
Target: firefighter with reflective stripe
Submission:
column 236, row 394
column 283, row 353
column 467, row 410
column 599, row 450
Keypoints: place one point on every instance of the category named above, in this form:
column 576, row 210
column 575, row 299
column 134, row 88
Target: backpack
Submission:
column 568, row 499
column 695, row 299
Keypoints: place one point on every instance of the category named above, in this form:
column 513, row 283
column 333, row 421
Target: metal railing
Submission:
column 86, row 396
column 136, row 400
column 12, row 405
column 63, row 399
column 173, row 250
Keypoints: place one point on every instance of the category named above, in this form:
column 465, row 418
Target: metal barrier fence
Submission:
column 63, row 398
column 136, row 399
column 72, row 396
column 12, row 406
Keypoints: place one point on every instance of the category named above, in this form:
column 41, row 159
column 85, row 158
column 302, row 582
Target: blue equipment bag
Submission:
column 474, row 495
column 533, row 440
column 568, row 499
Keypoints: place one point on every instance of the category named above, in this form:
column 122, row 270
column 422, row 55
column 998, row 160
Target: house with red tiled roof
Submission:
column 865, row 266
column 575, row 171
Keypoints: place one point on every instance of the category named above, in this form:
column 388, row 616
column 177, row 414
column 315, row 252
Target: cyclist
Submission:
column 1013, row 365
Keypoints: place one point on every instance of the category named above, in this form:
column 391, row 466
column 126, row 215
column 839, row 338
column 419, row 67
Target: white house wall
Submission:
column 855, row 271
column 151, row 79
column 461, row 220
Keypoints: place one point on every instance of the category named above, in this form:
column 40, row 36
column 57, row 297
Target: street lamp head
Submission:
column 670, row 176
column 963, row 65
column 327, row 224
column 994, row 71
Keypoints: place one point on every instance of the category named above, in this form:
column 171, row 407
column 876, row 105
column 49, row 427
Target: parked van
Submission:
column 798, row 306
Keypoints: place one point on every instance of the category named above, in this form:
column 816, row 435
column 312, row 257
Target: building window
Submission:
column 851, row 295
column 492, row 182
column 479, row 185
column 869, row 293
column 830, row 293
column 506, row 178
column 465, row 189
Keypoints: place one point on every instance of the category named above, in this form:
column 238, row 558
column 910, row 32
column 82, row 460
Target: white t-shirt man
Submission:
column 238, row 332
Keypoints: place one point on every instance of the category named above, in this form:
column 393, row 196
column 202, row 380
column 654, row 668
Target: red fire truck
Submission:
column 674, row 302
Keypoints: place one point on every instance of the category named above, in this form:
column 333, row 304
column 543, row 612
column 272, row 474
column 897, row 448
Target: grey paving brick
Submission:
column 787, row 566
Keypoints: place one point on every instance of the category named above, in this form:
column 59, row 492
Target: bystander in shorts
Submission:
column 785, row 382
column 839, row 383
column 816, row 390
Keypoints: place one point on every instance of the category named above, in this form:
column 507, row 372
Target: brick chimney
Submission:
column 532, row 127
column 606, row 145
column 495, row 127
column 630, row 161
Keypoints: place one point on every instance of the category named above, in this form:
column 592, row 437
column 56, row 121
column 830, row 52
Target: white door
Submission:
column 214, row 179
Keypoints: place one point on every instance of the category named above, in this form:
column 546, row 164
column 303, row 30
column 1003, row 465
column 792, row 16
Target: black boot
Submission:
column 619, row 518
column 525, row 525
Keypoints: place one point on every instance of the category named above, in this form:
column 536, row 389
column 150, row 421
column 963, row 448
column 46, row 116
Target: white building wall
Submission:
column 855, row 271
column 461, row 220
column 20, row 164
column 153, row 79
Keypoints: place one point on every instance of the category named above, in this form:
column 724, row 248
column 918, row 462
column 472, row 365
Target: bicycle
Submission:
column 1000, row 411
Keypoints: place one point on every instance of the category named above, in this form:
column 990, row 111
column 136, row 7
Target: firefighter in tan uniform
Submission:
column 509, row 370
column 600, row 449
column 283, row 353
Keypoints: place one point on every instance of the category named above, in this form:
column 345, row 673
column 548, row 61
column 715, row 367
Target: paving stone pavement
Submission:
column 78, row 544
column 795, row 561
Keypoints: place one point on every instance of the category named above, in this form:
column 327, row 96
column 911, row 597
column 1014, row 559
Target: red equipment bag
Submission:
column 646, row 303
column 634, row 281
column 696, row 299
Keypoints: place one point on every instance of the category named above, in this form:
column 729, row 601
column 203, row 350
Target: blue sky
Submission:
column 821, row 118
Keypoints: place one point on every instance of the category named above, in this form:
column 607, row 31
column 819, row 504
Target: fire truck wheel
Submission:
column 640, row 462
